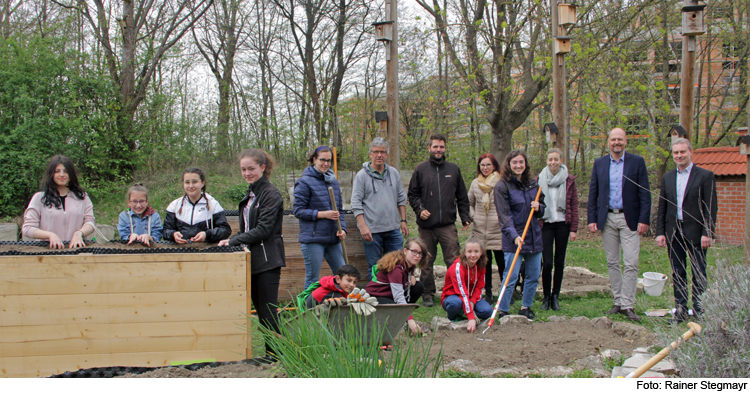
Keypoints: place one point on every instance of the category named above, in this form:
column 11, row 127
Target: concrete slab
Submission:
column 8, row 232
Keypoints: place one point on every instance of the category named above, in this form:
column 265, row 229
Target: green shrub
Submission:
column 722, row 349
column 308, row 348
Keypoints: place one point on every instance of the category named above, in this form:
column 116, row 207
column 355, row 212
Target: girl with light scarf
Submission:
column 482, row 209
column 559, row 224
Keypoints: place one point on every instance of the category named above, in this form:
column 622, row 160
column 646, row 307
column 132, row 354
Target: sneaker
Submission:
column 527, row 312
column 501, row 314
column 427, row 301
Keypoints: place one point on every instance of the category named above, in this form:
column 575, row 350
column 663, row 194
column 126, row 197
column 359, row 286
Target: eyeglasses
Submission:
column 325, row 161
column 485, row 165
column 416, row 253
column 139, row 202
column 379, row 153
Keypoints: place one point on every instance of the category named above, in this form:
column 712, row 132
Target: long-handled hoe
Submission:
column 338, row 222
column 510, row 270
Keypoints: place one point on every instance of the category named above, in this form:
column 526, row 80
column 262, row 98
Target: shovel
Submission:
column 510, row 270
column 338, row 222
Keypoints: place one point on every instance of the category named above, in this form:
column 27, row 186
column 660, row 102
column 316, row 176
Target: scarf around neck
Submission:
column 487, row 186
column 548, row 180
column 329, row 176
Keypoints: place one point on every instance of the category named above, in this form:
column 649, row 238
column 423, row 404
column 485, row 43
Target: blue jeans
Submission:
column 533, row 269
column 381, row 244
column 314, row 254
column 455, row 307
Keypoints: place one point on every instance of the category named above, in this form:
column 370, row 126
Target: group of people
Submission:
column 619, row 206
column 499, row 203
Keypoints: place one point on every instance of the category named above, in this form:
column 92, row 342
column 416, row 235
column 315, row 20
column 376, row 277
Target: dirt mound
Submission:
column 538, row 345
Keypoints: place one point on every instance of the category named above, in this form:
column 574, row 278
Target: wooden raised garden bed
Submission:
column 66, row 312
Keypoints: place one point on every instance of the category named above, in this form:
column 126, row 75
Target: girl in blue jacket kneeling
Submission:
column 140, row 222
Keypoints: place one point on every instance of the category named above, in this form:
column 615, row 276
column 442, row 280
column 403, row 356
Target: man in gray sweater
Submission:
column 379, row 204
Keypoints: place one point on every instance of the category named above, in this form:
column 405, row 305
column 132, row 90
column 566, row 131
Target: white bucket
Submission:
column 653, row 283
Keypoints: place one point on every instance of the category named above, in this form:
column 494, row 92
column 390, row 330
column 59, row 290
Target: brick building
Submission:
column 730, row 169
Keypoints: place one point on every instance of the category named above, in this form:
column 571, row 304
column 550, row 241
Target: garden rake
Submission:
column 510, row 270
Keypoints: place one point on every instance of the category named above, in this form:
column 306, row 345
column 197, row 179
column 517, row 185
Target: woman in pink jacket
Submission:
column 62, row 211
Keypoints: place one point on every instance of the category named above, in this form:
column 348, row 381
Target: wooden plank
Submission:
column 96, row 331
column 86, row 346
column 123, row 278
column 124, row 258
column 120, row 308
column 16, row 367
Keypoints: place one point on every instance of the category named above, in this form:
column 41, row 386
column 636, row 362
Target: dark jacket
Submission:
column 571, row 204
column 310, row 197
column 190, row 219
column 636, row 201
column 699, row 206
column 438, row 187
column 513, row 203
column 264, row 239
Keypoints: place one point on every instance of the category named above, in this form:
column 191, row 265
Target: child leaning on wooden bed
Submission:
column 140, row 222
column 196, row 216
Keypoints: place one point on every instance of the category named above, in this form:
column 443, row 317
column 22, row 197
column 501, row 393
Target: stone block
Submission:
column 462, row 365
column 603, row 323
column 9, row 232
column 514, row 319
column 581, row 318
column 612, row 354
column 458, row 325
column 440, row 323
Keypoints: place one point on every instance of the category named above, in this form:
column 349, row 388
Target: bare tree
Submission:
column 147, row 30
column 502, row 43
column 218, row 37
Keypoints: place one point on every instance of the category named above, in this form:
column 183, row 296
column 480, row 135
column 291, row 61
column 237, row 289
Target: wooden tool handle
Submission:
column 338, row 222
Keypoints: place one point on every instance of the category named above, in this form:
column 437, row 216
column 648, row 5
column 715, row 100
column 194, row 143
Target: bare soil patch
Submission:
column 536, row 345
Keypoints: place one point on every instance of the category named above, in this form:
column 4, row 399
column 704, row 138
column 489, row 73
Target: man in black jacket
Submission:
column 685, row 223
column 435, row 189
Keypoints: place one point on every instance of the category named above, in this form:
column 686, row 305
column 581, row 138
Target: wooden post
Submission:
column 687, row 81
column 558, row 86
column 391, row 79
column 747, row 211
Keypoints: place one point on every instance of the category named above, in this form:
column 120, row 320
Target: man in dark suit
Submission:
column 620, row 205
column 686, row 224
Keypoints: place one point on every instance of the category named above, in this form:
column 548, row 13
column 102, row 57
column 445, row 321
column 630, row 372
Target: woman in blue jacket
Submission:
column 514, row 200
column 318, row 232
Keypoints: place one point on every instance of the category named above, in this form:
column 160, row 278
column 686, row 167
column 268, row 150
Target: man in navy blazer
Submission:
column 686, row 223
column 620, row 205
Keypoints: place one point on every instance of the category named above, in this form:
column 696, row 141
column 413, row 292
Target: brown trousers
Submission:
column 447, row 236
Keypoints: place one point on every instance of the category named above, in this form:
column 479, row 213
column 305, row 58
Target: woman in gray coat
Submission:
column 486, row 227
